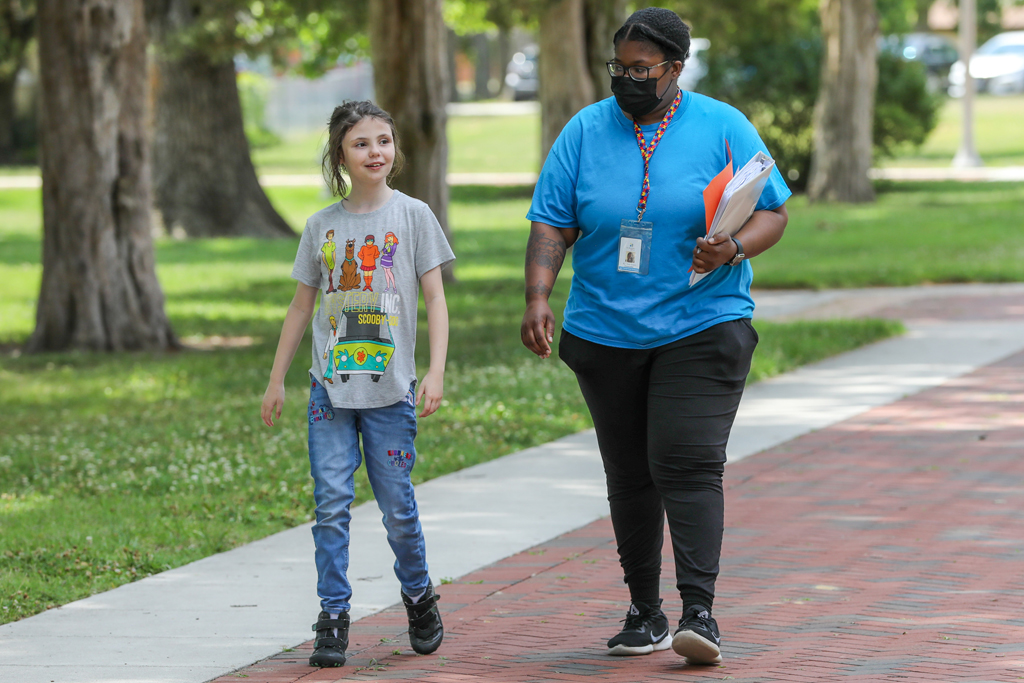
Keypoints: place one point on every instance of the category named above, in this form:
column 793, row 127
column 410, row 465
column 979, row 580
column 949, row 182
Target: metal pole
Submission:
column 967, row 155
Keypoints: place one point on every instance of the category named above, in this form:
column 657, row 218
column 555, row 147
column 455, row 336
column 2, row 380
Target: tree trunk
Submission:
column 566, row 85
column 203, row 174
column 603, row 18
column 482, row 67
column 844, row 112
column 408, row 43
column 99, row 288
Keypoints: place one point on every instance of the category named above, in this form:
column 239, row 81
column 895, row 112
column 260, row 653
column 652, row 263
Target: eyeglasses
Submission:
column 637, row 73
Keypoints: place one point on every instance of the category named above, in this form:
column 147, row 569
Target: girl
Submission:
column 366, row 340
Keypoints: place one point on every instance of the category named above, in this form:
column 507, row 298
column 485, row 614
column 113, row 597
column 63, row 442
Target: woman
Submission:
column 661, row 364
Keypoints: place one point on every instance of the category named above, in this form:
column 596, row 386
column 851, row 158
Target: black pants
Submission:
column 663, row 418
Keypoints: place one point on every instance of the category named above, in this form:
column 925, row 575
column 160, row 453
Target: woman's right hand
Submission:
column 538, row 328
column 273, row 401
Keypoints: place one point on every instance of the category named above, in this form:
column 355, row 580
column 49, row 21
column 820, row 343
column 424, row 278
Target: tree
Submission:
column 203, row 174
column 602, row 18
column 566, row 84
column 17, row 25
column 844, row 113
column 99, row 288
column 410, row 75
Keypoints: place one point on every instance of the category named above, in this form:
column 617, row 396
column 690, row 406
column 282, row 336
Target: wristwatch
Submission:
column 738, row 258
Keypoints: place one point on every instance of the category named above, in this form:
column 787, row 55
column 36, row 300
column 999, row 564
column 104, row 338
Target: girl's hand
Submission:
column 273, row 401
column 432, row 387
column 712, row 252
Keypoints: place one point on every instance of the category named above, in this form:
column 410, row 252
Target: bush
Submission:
column 905, row 111
column 776, row 86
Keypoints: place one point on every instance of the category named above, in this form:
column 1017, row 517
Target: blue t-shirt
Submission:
column 591, row 180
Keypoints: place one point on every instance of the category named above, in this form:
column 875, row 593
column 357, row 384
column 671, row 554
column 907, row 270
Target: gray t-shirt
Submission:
column 367, row 267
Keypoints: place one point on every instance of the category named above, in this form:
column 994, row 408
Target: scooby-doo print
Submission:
column 359, row 344
column 349, row 278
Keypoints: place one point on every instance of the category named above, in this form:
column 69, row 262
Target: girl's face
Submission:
column 368, row 151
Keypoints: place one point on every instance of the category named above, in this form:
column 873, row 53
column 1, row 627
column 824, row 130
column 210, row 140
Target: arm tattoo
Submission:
column 545, row 252
column 539, row 288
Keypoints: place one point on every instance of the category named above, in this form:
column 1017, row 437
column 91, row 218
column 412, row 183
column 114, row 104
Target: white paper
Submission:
column 739, row 199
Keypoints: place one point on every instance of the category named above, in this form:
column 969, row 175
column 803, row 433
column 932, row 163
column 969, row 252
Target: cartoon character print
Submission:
column 387, row 262
column 349, row 279
column 327, row 252
column 368, row 254
column 332, row 339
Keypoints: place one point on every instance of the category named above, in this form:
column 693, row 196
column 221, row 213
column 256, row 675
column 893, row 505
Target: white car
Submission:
column 997, row 66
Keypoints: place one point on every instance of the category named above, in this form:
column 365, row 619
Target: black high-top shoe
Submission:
column 329, row 649
column 425, row 628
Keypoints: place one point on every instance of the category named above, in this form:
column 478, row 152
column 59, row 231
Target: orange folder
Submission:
column 713, row 192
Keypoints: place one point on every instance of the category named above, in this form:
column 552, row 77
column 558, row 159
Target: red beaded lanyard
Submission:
column 647, row 151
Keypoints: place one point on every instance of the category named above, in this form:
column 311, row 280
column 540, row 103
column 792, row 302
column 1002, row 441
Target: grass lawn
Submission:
column 476, row 144
column 115, row 467
column 998, row 134
column 915, row 233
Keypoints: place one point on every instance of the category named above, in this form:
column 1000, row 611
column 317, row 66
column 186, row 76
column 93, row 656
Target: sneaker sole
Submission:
column 626, row 651
column 696, row 648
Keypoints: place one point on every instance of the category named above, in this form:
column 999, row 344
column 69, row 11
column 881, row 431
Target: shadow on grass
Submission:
column 18, row 249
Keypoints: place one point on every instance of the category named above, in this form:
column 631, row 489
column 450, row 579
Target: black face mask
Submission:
column 636, row 98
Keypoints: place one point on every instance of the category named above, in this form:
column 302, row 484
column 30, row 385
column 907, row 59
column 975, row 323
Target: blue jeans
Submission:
column 334, row 456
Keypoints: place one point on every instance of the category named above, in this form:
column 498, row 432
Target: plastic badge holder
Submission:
column 635, row 246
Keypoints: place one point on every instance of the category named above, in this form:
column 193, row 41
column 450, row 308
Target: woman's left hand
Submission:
column 713, row 252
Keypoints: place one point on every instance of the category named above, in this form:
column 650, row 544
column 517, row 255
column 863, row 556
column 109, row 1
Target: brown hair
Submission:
column 343, row 118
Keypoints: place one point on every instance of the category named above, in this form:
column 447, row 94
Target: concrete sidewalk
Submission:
column 224, row 612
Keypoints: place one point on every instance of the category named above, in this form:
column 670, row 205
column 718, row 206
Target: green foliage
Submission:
column 777, row 87
column 253, row 90
column 905, row 112
column 307, row 36
column 17, row 27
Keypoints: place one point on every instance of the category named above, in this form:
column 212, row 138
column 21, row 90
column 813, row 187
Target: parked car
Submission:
column 521, row 74
column 997, row 66
column 936, row 52
column 695, row 67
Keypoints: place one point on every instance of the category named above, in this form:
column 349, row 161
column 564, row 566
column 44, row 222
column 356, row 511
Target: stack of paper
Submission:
column 737, row 201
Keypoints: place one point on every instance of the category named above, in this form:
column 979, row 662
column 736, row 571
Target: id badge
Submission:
column 635, row 246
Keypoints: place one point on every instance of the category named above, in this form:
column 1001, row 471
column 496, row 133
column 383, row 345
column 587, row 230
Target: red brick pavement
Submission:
column 887, row 547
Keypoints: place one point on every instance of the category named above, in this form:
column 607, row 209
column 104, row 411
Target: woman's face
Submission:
column 638, row 53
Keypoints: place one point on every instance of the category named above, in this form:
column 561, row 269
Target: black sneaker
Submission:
column 646, row 631
column 329, row 649
column 425, row 627
column 697, row 638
